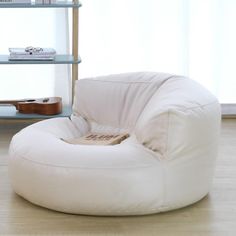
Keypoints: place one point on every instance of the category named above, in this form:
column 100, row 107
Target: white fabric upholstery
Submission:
column 166, row 163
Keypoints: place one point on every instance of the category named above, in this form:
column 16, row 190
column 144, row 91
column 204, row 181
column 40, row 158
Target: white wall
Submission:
column 190, row 37
column 33, row 27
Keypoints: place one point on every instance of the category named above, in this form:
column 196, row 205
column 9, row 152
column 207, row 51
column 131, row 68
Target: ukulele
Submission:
column 41, row 106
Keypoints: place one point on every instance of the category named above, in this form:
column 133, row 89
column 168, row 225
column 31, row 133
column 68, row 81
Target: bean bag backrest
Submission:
column 116, row 100
column 165, row 112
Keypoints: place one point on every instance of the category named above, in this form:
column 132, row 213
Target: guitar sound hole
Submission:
column 30, row 100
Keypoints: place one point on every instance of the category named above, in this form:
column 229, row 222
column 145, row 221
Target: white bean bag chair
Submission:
column 166, row 163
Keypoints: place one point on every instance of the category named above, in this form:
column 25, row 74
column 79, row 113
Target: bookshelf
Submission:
column 59, row 59
column 9, row 112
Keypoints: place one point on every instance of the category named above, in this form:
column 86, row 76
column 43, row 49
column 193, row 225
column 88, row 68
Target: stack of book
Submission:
column 98, row 139
column 31, row 53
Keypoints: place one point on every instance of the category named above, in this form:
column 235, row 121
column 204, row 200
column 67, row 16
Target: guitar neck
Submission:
column 10, row 102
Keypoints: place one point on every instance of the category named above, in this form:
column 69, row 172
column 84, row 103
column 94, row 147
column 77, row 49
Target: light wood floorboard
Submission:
column 215, row 215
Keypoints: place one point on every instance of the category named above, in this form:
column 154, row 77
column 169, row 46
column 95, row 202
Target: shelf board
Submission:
column 60, row 4
column 9, row 112
column 59, row 59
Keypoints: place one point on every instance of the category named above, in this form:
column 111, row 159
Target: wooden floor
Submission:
column 213, row 216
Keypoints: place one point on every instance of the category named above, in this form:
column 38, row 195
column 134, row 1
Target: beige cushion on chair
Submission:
column 173, row 124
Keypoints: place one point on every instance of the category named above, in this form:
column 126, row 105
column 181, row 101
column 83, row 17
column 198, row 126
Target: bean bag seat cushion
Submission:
column 166, row 163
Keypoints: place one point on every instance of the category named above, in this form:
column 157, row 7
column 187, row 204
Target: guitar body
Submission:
column 42, row 106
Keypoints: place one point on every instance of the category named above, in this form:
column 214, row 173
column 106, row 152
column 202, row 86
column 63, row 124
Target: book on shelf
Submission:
column 25, row 58
column 31, row 53
column 53, row 1
column 15, row 1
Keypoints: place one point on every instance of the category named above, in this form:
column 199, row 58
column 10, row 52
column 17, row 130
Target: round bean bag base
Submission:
column 167, row 162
